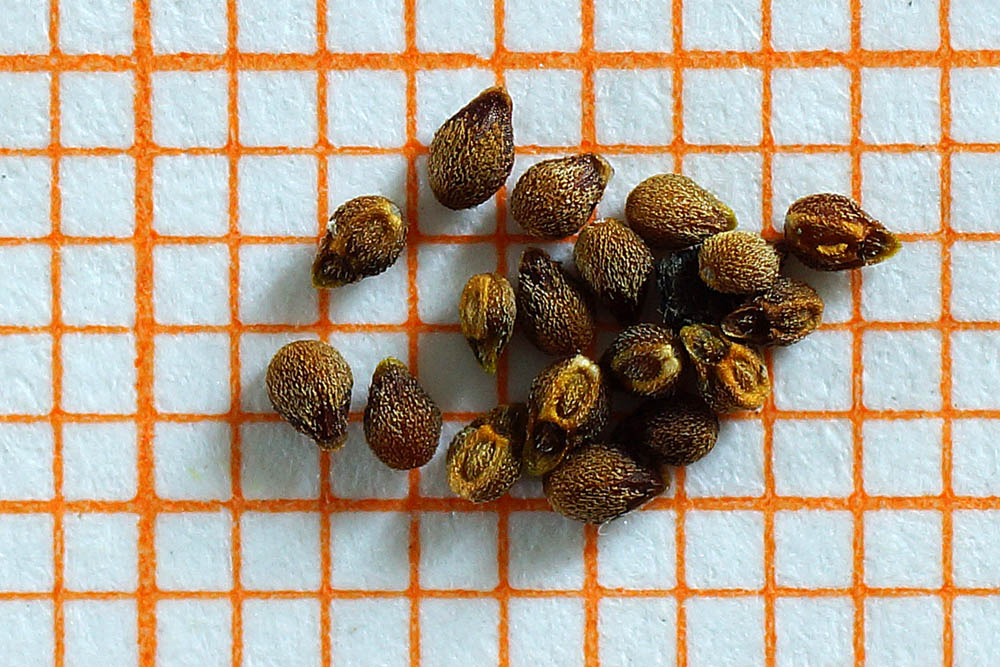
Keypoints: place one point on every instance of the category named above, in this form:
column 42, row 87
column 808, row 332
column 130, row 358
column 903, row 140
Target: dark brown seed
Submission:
column 678, row 431
column 731, row 376
column 670, row 211
column 402, row 423
column 738, row 262
column 599, row 482
column 616, row 264
column 553, row 308
column 487, row 312
column 473, row 151
column 309, row 384
column 363, row 238
column 555, row 198
column 685, row 298
column 832, row 233
column 784, row 314
column 645, row 360
column 484, row 458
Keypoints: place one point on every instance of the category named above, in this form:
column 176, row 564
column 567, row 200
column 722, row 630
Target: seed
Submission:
column 567, row 405
column 601, row 481
column 645, row 359
column 731, row 376
column 554, row 198
column 309, row 384
column 554, row 309
column 484, row 458
column 363, row 238
column 472, row 153
column 487, row 311
column 616, row 264
column 738, row 262
column 685, row 298
column 671, row 211
column 784, row 314
column 678, row 431
column 402, row 423
column 831, row 233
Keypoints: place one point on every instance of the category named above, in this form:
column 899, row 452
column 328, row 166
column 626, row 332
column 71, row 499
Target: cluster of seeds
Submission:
column 722, row 299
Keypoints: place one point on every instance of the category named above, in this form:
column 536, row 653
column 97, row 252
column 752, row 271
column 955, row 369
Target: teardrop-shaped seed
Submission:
column 554, row 198
column 402, row 423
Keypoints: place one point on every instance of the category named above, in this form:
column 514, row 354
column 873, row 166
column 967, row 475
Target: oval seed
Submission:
column 738, row 262
column 554, row 198
column 309, row 384
column 685, row 298
column 678, row 431
column 402, row 423
column 554, row 310
column 487, row 312
column 671, row 211
column 363, row 238
column 784, row 314
column 484, row 458
column 472, row 153
column 616, row 264
column 731, row 376
column 831, row 233
column 645, row 360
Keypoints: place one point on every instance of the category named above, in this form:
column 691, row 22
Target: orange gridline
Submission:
column 587, row 60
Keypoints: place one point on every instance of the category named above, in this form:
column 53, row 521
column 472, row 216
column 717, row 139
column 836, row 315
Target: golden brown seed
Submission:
column 567, row 405
column 738, row 262
column 363, row 238
column 553, row 308
column 731, row 376
column 309, row 384
column 678, row 431
column 402, row 423
column 484, row 458
column 671, row 211
column 599, row 482
column 487, row 312
column 831, row 233
column 784, row 314
column 555, row 198
column 472, row 153
column 645, row 359
column 616, row 264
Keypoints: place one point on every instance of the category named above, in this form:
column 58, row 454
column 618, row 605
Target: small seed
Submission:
column 484, row 458
column 616, row 264
column 363, row 238
column 601, row 481
column 555, row 198
column 553, row 308
column 472, row 153
column 685, row 298
column 731, row 376
column 831, row 233
column 487, row 311
column 670, row 211
column 309, row 384
column 402, row 423
column 738, row 262
column 678, row 431
column 567, row 405
column 784, row 314
column 645, row 359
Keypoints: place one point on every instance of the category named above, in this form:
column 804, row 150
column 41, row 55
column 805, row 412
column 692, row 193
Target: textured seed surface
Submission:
column 738, row 262
column 785, row 313
column 645, row 360
column 831, row 233
column 616, row 264
column 679, row 430
column 472, row 153
column 484, row 458
column 567, row 405
column 671, row 211
column 553, row 308
column 487, row 311
column 554, row 198
column 731, row 376
column 402, row 423
column 363, row 238
column 684, row 298
column 309, row 384
column 599, row 482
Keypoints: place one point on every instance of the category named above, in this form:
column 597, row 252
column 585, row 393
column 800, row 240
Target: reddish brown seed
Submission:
column 554, row 198
column 738, row 262
column 554, row 310
column 363, row 238
column 731, row 376
column 645, row 360
column 402, row 423
column 671, row 211
column 484, row 458
column 831, row 232
column 617, row 265
column 784, row 314
column 487, row 311
column 678, row 431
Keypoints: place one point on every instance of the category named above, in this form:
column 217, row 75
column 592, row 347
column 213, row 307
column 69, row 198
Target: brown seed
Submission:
column 671, row 211
column 402, row 423
column 738, row 262
column 487, row 311
column 600, row 481
column 473, row 151
column 831, row 233
column 309, row 384
column 363, row 238
column 645, row 360
column 731, row 376
column 554, row 198
column 484, row 458
column 567, row 405
column 553, row 308
column 616, row 264
column 784, row 314
column 678, row 431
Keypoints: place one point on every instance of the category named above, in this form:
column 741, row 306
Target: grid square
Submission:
column 275, row 463
column 814, row 631
column 637, row 631
column 724, row 549
column 458, row 550
column 281, row 551
column 97, row 109
column 735, row 467
column 738, row 641
column 26, row 298
column 457, row 632
column 434, row 475
column 917, row 274
column 108, row 387
column 194, row 633
column 442, row 270
column 895, row 26
column 100, row 461
column 900, row 105
column 365, row 26
column 95, row 26
column 975, row 203
column 277, row 108
column 367, row 107
column 281, row 632
column 24, row 109
column 26, row 30
column 976, row 560
column 27, row 563
column 638, row 552
column 723, row 106
column 803, row 446
column 26, row 454
column 633, row 25
column 175, row 299
column 902, row 457
column 834, row 287
column 191, row 460
column 798, row 561
column 27, row 632
column 976, row 621
column 352, row 176
column 188, row 26
column 973, row 93
column 256, row 351
column 478, row 393
column 972, row 293
column 630, row 170
column 546, row 551
column 276, row 27
column 28, row 358
column 634, row 106
column 102, row 552
column 370, row 551
column 358, row 474
column 903, row 631
column 975, row 457
column 101, row 632
column 549, row 627
column 903, row 188
column 796, row 175
column 442, row 92
column 903, row 548
column 815, row 374
column 811, row 105
column 84, row 212
column 548, row 106
column 450, row 27
column 191, row 373
column 193, row 551
column 542, row 26
column 278, row 195
column 974, row 366
column 190, row 109
column 901, row 370
column 975, row 24
column 25, row 196
column 736, row 178
column 722, row 25
column 370, row 631
column 364, row 351
column 191, row 195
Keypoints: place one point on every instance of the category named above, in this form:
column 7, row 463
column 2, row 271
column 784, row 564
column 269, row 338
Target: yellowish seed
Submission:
column 487, row 311
column 364, row 238
column 402, row 423
column 738, row 262
column 671, row 211
column 730, row 376
column 554, row 198
column 617, row 265
column 553, row 308
column 645, row 360
column 831, row 233
column 484, row 458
